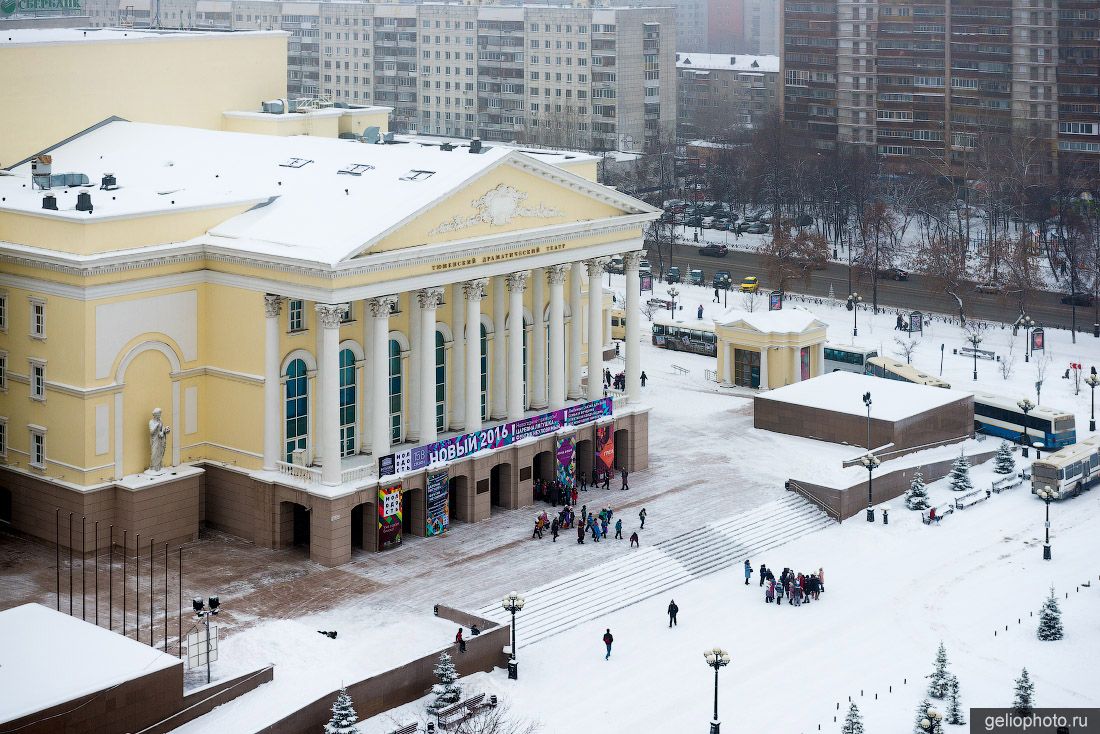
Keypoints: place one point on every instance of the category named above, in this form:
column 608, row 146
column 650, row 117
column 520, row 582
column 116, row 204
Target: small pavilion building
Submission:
column 769, row 349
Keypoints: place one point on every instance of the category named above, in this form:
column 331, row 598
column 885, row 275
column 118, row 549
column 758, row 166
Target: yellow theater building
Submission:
column 343, row 341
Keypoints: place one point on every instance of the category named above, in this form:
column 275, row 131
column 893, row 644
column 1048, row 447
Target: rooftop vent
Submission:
column 475, row 145
column 446, row 146
column 356, row 169
column 416, row 175
column 387, row 138
column 108, row 182
column 295, row 162
column 84, row 202
column 49, row 201
column 733, row 60
column 275, row 106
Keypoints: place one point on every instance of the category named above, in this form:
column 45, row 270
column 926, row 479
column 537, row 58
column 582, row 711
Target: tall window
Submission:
column 38, row 381
column 440, row 383
column 3, row 312
column 347, row 402
column 38, row 319
column 395, row 391
column 3, row 437
column 484, row 374
column 297, row 408
column 38, row 448
column 296, row 315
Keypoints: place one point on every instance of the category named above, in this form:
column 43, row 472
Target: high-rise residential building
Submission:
column 927, row 81
column 598, row 78
column 720, row 92
column 694, row 19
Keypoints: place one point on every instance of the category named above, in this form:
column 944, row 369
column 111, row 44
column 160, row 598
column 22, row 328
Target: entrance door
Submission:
column 746, row 368
column 301, row 526
column 500, row 479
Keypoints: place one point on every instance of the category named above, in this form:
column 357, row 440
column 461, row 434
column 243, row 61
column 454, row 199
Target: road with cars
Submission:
column 914, row 294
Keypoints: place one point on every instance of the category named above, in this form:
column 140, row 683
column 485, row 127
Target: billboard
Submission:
column 437, row 519
column 604, row 451
column 565, row 465
column 1038, row 339
column 389, row 516
column 775, row 301
column 494, row 437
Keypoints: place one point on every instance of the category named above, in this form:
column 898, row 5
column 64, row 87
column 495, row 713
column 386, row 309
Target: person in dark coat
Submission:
column 607, row 480
column 607, row 640
column 626, row 485
column 554, row 529
column 700, row 311
column 606, row 377
column 672, row 610
column 459, row 641
column 643, row 378
column 763, row 573
column 641, row 516
column 619, row 529
column 580, row 533
column 584, row 482
column 634, row 539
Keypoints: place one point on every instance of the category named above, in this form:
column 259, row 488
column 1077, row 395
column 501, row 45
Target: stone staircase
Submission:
column 569, row 601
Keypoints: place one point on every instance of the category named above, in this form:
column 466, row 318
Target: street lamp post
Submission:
column 1025, row 405
column 854, row 299
column 975, row 339
column 513, row 603
column 717, row 659
column 672, row 293
column 1027, row 323
column 871, row 462
column 1046, row 494
column 204, row 615
column 1092, row 381
column 931, row 721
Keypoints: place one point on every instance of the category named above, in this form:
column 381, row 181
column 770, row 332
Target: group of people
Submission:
column 598, row 525
column 799, row 588
column 556, row 492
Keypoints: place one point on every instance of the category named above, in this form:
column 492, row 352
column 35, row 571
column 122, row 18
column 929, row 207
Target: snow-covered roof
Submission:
column 728, row 62
column 48, row 658
column 308, row 198
column 784, row 321
column 556, row 156
column 842, row 392
column 37, row 36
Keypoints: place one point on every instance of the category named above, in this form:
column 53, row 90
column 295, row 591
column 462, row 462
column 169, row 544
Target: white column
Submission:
column 366, row 393
column 456, row 385
column 727, row 365
column 381, row 439
column 632, row 312
column 474, row 291
column 796, row 365
column 537, row 388
column 428, row 299
column 764, row 368
column 575, row 328
column 273, row 308
column 820, row 349
column 498, row 395
column 595, row 328
column 556, row 275
column 416, row 348
column 328, row 320
column 318, row 437
column 517, row 284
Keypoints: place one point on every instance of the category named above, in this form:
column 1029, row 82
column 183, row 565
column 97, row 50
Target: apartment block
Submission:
column 599, row 78
column 718, row 91
column 926, row 81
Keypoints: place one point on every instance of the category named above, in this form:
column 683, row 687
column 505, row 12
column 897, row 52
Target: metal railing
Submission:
column 802, row 491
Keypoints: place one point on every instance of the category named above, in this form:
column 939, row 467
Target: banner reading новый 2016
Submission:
column 437, row 496
column 566, row 464
column 389, row 517
column 604, row 451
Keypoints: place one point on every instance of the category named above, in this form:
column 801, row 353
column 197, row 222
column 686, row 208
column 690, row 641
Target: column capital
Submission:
column 331, row 314
column 517, row 281
column 632, row 260
column 429, row 298
column 273, row 305
column 474, row 290
column 555, row 274
column 382, row 306
column 595, row 266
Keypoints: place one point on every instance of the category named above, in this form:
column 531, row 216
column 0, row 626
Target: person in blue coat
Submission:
column 619, row 529
column 748, row 572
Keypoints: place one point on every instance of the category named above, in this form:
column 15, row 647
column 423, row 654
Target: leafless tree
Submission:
column 1008, row 362
column 906, row 347
column 496, row 720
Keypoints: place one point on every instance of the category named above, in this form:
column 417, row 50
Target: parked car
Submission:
column 644, row 268
column 893, row 274
column 659, row 303
column 615, row 265
column 708, row 222
column 714, row 250
column 757, row 228
column 722, row 279
column 1077, row 299
column 989, row 288
column 750, row 284
column 673, row 275
column 696, row 276
column 752, row 216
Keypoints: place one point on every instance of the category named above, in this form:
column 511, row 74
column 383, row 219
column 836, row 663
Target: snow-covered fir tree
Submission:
column 853, row 724
column 447, row 690
column 960, row 475
column 954, row 710
column 1050, row 619
column 1024, row 701
column 1004, row 462
column 940, row 678
column 343, row 716
column 917, row 496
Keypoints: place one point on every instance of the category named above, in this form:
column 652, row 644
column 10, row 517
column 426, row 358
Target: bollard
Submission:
column 876, row 695
column 994, row 633
column 891, row 689
column 861, row 693
column 838, row 705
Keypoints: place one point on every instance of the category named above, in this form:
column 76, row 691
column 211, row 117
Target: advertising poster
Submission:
column 775, row 301
column 604, row 450
column 1038, row 339
column 566, row 465
column 437, row 518
column 389, row 517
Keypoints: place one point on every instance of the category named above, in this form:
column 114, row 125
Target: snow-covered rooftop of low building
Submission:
column 842, row 392
column 48, row 658
column 784, row 321
column 727, row 62
column 556, row 156
column 38, row 36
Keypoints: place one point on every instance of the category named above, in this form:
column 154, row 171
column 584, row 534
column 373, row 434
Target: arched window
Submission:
column 395, row 391
column 297, row 408
column 484, row 374
column 347, row 403
column 440, row 383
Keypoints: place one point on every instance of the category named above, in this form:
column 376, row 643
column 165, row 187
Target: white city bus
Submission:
column 1068, row 470
column 1000, row 416
column 847, row 358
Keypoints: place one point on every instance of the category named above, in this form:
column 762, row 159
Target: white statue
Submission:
column 158, row 437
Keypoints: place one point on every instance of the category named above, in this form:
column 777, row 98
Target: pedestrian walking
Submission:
column 607, row 479
column 459, row 641
column 763, row 573
column 715, row 299
column 643, row 378
column 606, row 377
column 554, row 530
column 584, row 484
column 607, row 640
column 574, row 495
column 672, row 610
column 748, row 572
column 580, row 533
column 619, row 529
column 821, row 580
column 626, row 485
column 538, row 530
column 700, row 313
column 634, row 539
column 641, row 516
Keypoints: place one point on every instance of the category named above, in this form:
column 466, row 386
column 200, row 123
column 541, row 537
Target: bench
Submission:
column 940, row 512
column 456, row 713
column 679, row 370
column 971, row 498
column 979, row 353
column 1007, row 483
column 410, row 729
